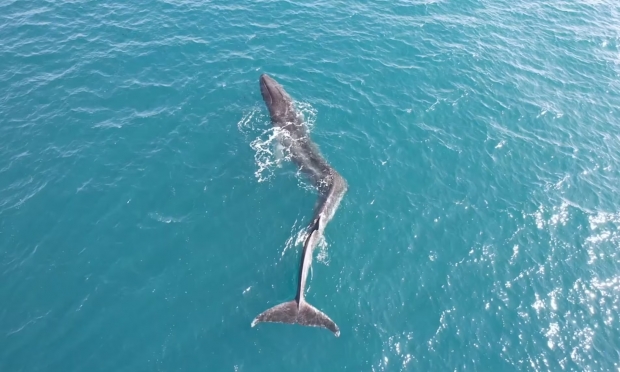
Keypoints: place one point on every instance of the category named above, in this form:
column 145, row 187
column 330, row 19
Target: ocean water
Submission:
column 146, row 215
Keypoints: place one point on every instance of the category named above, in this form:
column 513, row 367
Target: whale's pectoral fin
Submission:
column 303, row 313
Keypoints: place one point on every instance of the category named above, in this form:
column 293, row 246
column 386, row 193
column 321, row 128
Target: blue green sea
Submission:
column 147, row 214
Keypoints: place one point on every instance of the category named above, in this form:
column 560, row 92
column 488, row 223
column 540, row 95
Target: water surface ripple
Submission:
column 147, row 215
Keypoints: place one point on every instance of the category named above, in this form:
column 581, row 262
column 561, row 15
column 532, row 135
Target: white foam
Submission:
column 264, row 154
column 269, row 154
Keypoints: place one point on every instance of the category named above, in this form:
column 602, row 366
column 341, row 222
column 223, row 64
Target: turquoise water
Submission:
column 146, row 218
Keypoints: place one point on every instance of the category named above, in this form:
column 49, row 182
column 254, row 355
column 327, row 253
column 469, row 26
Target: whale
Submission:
column 331, row 188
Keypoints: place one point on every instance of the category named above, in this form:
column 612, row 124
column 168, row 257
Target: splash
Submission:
column 298, row 236
column 299, row 233
column 266, row 157
column 322, row 255
column 306, row 113
column 269, row 153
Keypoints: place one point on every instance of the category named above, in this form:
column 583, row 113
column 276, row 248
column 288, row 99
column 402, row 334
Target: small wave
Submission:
column 16, row 200
column 165, row 219
column 603, row 236
column 246, row 122
column 29, row 322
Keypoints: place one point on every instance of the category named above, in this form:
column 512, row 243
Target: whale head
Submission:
column 277, row 100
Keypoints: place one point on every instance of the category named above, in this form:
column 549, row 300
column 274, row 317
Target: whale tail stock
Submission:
column 294, row 312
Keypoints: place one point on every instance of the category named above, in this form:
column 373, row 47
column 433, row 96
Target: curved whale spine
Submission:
column 332, row 187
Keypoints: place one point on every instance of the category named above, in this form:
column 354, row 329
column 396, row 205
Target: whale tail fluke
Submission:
column 294, row 312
